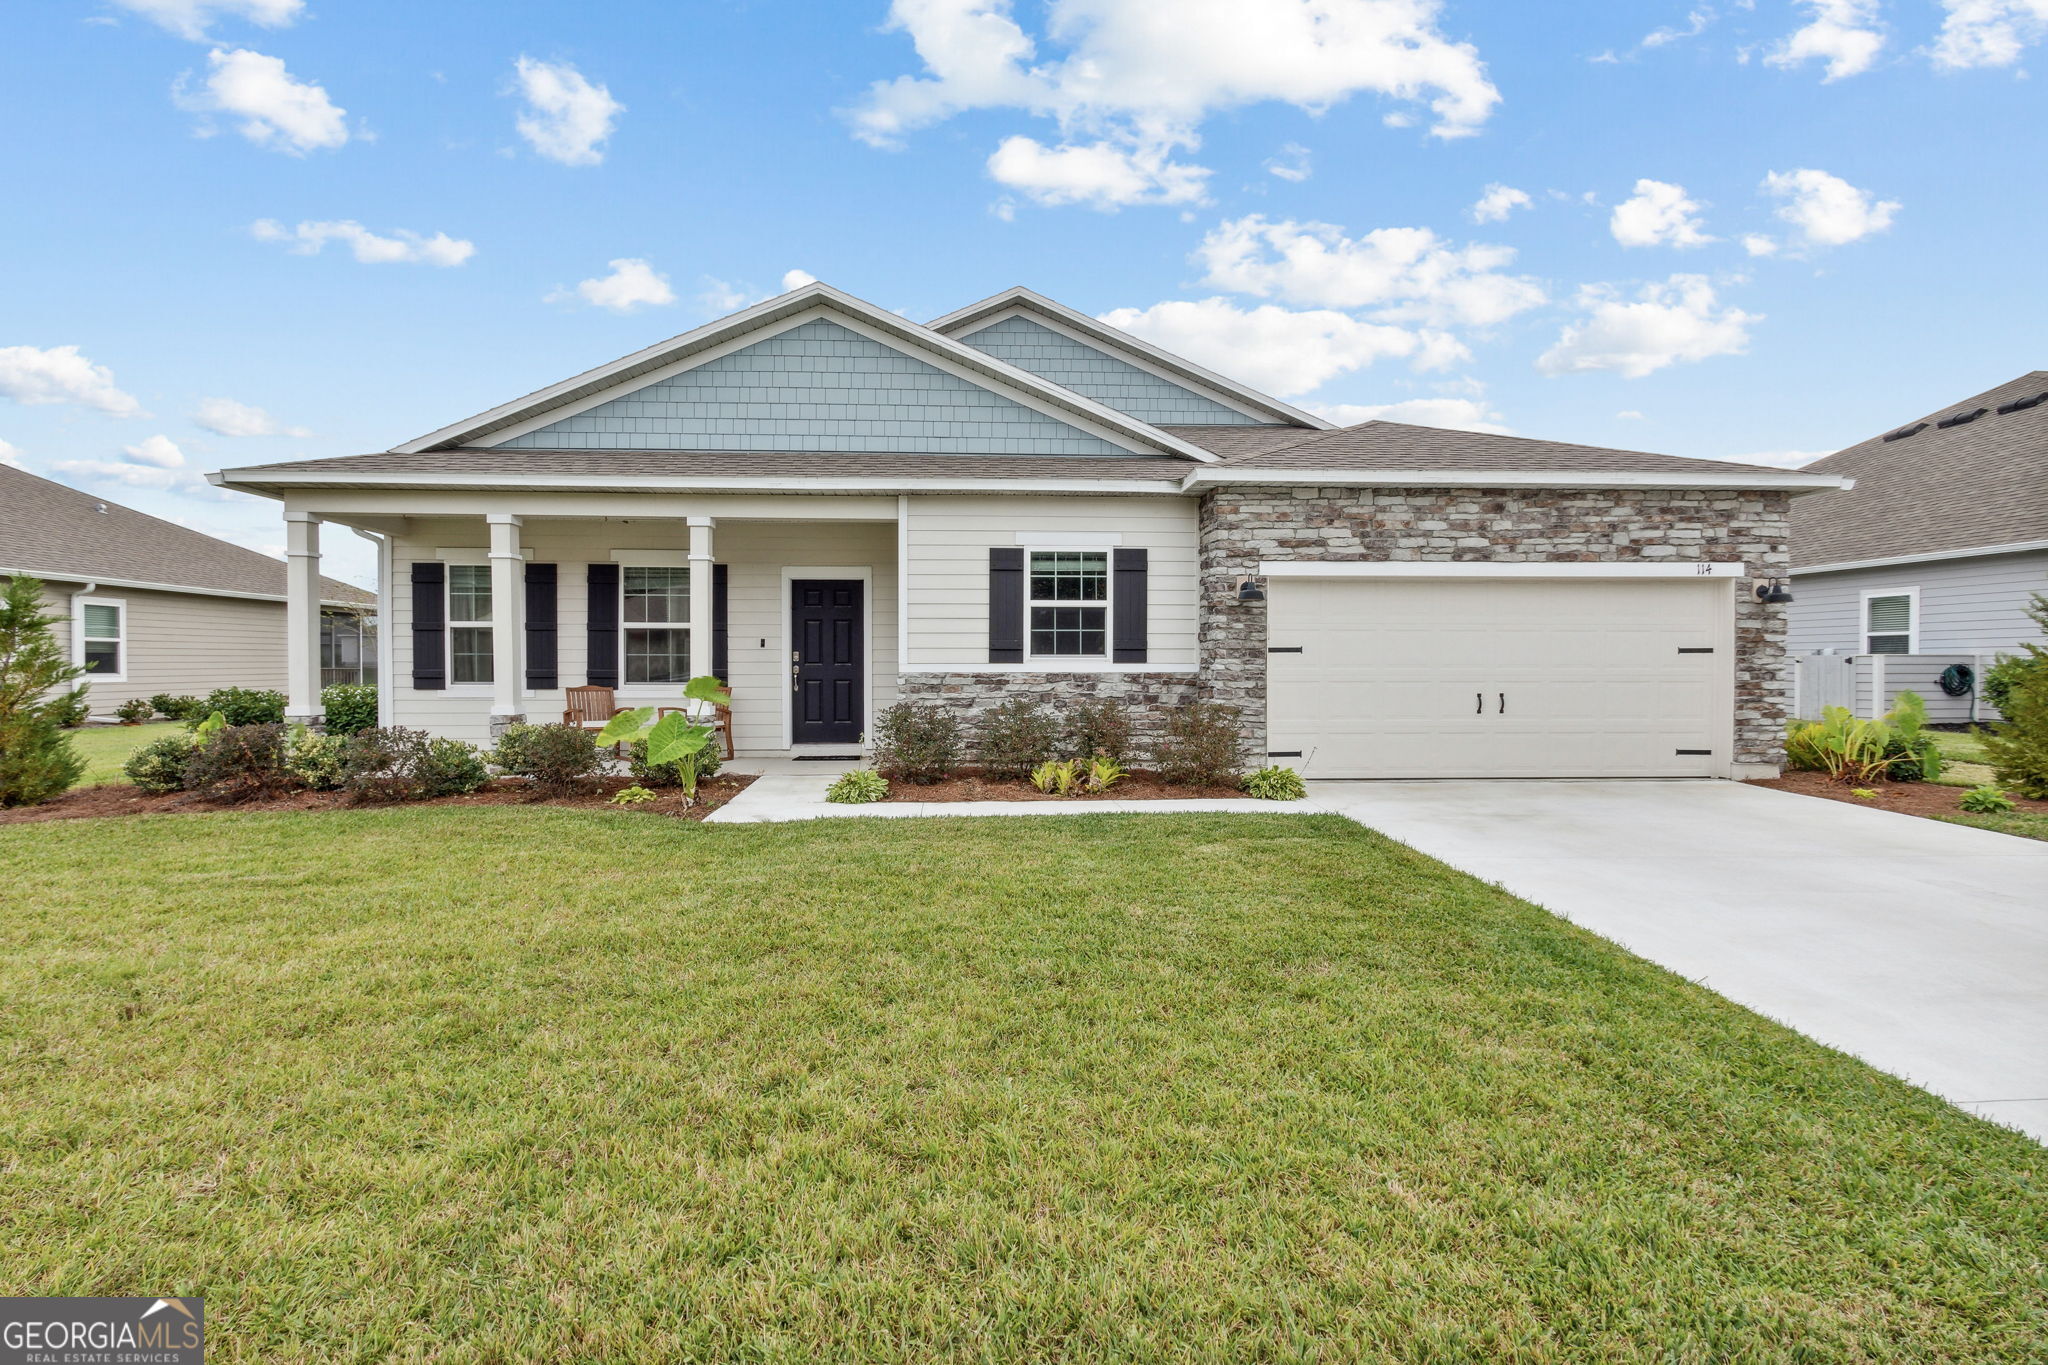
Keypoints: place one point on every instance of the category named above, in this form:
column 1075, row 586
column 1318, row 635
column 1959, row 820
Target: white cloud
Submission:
column 1102, row 175
column 401, row 247
column 632, row 284
column 1292, row 164
column 276, row 111
column 10, row 454
column 226, row 417
column 567, row 117
column 1458, row 414
column 1658, row 214
column 1827, row 210
column 1273, row 348
column 1678, row 320
column 131, row 475
column 1405, row 274
column 1696, row 22
column 1628, row 415
column 159, row 452
column 1133, row 80
column 60, row 374
column 190, row 18
column 1843, row 33
column 1760, row 244
column 1498, row 202
column 717, row 296
column 1988, row 32
column 1778, row 459
column 797, row 279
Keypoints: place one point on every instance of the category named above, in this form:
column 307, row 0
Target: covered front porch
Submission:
column 493, row 608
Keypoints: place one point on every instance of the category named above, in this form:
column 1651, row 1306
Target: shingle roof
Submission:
column 47, row 528
column 1397, row 445
column 1978, row 483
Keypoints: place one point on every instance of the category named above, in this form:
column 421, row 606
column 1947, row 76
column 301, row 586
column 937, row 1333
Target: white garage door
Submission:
column 1494, row 677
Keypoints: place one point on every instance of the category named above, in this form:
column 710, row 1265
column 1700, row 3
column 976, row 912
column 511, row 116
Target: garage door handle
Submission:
column 1503, row 703
column 1478, row 703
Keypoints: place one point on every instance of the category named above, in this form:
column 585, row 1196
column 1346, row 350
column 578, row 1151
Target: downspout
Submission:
column 384, row 698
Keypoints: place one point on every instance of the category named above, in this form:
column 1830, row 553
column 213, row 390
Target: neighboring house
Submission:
column 1932, row 555
column 154, row 607
column 835, row 509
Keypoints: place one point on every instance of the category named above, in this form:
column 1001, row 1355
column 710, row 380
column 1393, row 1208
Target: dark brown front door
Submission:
column 825, row 626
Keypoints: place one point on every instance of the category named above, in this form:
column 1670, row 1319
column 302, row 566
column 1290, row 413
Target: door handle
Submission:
column 1503, row 704
column 1478, row 703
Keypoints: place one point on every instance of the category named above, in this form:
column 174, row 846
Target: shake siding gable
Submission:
column 1097, row 374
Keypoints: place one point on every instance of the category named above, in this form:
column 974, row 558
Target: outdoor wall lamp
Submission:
column 1774, row 591
column 1248, row 590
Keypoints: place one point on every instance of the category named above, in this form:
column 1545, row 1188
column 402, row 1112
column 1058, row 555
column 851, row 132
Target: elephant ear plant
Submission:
column 674, row 739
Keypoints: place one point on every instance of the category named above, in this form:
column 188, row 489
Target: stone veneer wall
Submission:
column 1241, row 526
column 1148, row 695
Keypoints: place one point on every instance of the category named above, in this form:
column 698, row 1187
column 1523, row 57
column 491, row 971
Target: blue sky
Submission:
column 240, row 231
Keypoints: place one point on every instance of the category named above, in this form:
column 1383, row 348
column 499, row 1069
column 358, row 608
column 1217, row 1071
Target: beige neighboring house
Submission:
column 835, row 508
column 154, row 607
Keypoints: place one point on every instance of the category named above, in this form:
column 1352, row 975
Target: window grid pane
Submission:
column 1069, row 576
column 102, row 656
column 469, row 592
column 102, row 622
column 1067, row 630
column 653, row 594
column 657, row 655
column 469, row 654
column 1891, row 615
column 1889, row 644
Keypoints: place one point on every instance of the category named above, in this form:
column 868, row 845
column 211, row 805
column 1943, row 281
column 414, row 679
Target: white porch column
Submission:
column 508, row 622
column 700, row 595
column 302, row 618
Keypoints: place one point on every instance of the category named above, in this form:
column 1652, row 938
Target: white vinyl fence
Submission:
column 1869, row 684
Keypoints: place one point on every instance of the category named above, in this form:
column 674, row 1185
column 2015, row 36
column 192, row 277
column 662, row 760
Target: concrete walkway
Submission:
column 801, row 796
column 1919, row 946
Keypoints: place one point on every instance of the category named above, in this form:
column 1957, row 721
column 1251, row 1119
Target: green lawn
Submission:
column 1965, row 766
column 516, row 1084
column 106, row 747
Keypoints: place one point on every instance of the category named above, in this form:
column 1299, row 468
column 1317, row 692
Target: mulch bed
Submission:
column 113, row 799
column 972, row 786
column 1908, row 798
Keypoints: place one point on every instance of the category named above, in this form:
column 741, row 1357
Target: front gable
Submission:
column 1093, row 371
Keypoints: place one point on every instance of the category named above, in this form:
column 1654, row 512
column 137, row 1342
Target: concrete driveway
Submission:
column 1920, row 947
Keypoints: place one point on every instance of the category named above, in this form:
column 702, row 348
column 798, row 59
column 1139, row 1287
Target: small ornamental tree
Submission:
column 37, row 761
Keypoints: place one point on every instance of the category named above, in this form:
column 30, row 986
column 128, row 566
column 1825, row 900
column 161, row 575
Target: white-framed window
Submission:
column 654, row 616
column 471, row 648
column 1067, row 603
column 1891, row 620
column 100, row 625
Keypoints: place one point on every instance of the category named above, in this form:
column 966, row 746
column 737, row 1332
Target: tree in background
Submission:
column 2018, row 749
column 37, row 761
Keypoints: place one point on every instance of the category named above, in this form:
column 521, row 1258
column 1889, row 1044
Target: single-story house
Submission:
column 1926, row 566
column 834, row 508
column 155, row 607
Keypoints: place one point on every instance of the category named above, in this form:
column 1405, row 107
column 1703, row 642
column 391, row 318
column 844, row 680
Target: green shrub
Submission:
column 1014, row 737
column 1845, row 748
column 1102, row 727
column 397, row 764
column 159, row 766
column 1057, row 776
column 1985, row 801
column 37, row 761
column 633, row 796
column 668, row 774
column 177, row 708
column 1911, row 747
column 858, row 788
column 917, row 742
column 73, row 708
column 557, row 759
column 245, row 705
column 349, row 707
column 134, row 711
column 316, row 760
column 1101, row 772
column 241, row 763
column 1275, row 784
column 1200, row 746
column 2018, row 749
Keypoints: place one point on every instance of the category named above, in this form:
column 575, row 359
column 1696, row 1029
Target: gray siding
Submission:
column 1099, row 375
column 1966, row 605
column 817, row 386
column 183, row 643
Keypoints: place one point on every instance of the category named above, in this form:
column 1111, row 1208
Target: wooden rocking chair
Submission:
column 590, row 708
column 720, row 720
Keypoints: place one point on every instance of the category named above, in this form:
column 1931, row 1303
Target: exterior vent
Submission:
column 1904, row 432
column 1957, row 419
column 2022, row 404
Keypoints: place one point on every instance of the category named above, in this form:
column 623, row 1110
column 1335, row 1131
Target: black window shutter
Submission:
column 542, row 673
column 719, row 659
column 601, row 653
column 1127, row 598
column 1005, row 606
column 429, row 625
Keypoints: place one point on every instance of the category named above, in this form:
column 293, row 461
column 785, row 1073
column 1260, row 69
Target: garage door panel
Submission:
column 1407, row 678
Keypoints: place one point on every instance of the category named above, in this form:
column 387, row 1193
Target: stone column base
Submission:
column 500, row 724
column 312, row 720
